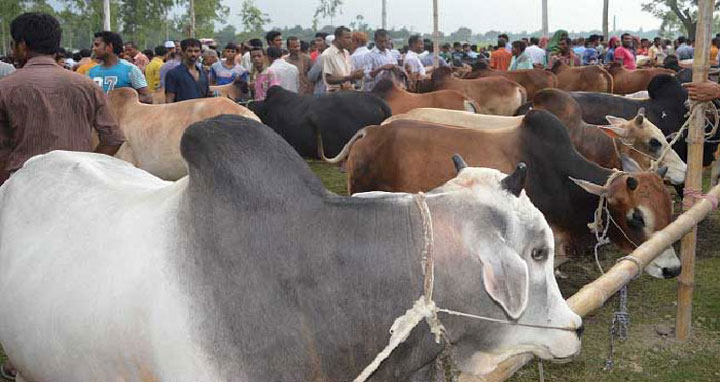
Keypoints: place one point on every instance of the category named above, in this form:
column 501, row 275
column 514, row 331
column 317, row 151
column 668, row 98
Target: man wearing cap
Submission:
column 170, row 46
column 227, row 71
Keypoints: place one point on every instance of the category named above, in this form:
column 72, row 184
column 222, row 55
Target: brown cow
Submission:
column 153, row 132
column 401, row 101
column 638, row 138
column 533, row 80
column 411, row 156
column 631, row 81
column 494, row 95
column 591, row 78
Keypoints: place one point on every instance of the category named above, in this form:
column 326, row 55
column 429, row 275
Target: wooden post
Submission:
column 192, row 18
column 606, row 5
column 593, row 295
column 106, row 15
column 544, row 18
column 436, row 36
column 384, row 14
column 693, row 180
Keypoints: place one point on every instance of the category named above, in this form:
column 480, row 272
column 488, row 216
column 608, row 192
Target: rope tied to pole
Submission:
column 695, row 107
column 597, row 227
column 697, row 194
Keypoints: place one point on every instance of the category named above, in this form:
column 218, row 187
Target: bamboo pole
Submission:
column 544, row 18
column 106, row 15
column 384, row 14
column 192, row 18
column 606, row 5
column 686, row 280
column 594, row 294
column 436, row 36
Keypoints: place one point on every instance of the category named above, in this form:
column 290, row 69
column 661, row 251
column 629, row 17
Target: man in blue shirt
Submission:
column 684, row 51
column 188, row 80
column 225, row 72
column 114, row 72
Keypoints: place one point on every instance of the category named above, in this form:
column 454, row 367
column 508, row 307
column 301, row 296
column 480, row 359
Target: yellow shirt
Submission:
column 152, row 73
column 713, row 53
column 83, row 69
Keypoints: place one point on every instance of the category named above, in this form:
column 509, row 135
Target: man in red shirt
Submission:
column 500, row 58
column 624, row 54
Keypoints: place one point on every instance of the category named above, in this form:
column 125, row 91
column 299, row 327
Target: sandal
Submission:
column 7, row 373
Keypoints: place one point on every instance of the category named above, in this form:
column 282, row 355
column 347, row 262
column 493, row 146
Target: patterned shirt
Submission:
column 222, row 75
column 412, row 60
column 685, row 52
column 523, row 61
column 44, row 107
column 263, row 82
column 373, row 60
column 121, row 75
column 152, row 73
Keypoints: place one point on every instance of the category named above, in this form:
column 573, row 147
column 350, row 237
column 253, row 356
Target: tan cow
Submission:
column 631, row 81
column 533, row 80
column 232, row 91
column 591, row 78
column 153, row 132
column 494, row 95
column 402, row 101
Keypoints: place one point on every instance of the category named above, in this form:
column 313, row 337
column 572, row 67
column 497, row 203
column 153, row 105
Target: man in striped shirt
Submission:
column 379, row 61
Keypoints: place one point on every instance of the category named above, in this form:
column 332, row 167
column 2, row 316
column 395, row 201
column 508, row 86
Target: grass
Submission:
column 646, row 355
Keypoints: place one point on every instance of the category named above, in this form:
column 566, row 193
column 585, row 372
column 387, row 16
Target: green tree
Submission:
column 207, row 12
column 359, row 24
column 143, row 21
column 326, row 8
column 225, row 35
column 253, row 19
column 684, row 10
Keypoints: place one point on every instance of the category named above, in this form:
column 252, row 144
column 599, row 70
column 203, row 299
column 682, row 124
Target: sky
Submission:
column 478, row 15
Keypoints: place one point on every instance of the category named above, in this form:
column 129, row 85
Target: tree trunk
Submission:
column 106, row 15
column 384, row 14
column 545, row 18
column 192, row 18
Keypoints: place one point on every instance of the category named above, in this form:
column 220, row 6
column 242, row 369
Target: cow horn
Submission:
column 515, row 182
column 640, row 117
column 459, row 163
column 662, row 171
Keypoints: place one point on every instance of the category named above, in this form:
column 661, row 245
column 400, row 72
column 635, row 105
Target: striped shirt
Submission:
column 44, row 107
column 373, row 60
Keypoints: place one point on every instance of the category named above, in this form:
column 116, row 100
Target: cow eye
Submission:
column 539, row 254
column 655, row 145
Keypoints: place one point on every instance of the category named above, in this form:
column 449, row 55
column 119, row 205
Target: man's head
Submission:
column 501, row 43
column 504, row 37
column 107, row 44
column 564, row 45
column 343, row 38
column 209, row 57
column 257, row 56
column 359, row 39
column 304, row 46
column 534, row 41
column 34, row 34
column 320, row 41
column 657, row 41
column 466, row 47
column 274, row 38
column 457, row 46
column 273, row 53
column 160, row 51
column 85, row 53
column 415, row 43
column 627, row 40
column 131, row 49
column 518, row 47
column 681, row 40
column 191, row 49
column 445, row 48
column 230, row 51
column 293, row 46
column 170, row 46
column 382, row 40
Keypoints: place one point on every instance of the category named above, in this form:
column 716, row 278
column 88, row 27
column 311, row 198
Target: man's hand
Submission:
column 357, row 74
column 703, row 91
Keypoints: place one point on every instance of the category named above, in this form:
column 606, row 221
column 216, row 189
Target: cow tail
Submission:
column 345, row 151
column 523, row 94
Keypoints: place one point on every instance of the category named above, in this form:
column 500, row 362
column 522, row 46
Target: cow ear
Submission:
column 590, row 187
column 615, row 121
column 629, row 164
column 506, row 278
column 614, row 131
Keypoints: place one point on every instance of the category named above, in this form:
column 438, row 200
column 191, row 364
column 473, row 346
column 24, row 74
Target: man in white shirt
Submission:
column 412, row 61
column 287, row 73
column 337, row 68
column 5, row 69
column 536, row 53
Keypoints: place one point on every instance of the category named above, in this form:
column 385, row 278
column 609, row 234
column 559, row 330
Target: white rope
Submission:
column 694, row 108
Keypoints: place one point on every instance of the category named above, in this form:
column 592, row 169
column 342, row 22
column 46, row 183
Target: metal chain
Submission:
column 618, row 327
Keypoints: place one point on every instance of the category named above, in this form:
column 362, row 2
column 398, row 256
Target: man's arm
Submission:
column 138, row 82
column 377, row 71
column 337, row 80
column 703, row 91
column 109, row 133
column 171, row 87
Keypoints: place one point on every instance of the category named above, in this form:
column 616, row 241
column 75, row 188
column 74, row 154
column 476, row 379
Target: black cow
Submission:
column 336, row 116
column 665, row 108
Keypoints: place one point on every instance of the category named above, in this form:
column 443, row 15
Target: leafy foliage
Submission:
column 253, row 19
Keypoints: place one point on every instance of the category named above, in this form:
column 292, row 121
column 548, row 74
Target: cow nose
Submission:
column 579, row 331
column 669, row 273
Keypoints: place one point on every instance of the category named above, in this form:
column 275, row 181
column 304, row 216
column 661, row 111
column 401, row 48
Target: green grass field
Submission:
column 646, row 355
